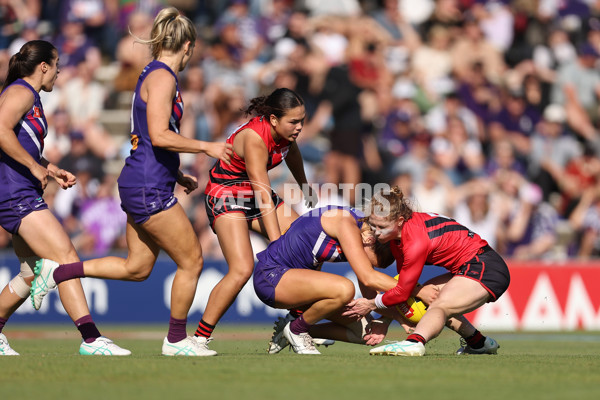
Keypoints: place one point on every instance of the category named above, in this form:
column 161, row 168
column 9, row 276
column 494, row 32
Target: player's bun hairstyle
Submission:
column 170, row 31
column 30, row 55
column 277, row 103
column 390, row 204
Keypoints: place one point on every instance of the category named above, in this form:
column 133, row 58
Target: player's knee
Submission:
column 193, row 264
column 19, row 286
column 139, row 273
column 345, row 291
column 67, row 257
column 240, row 274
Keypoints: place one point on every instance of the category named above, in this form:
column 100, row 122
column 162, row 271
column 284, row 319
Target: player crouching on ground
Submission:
column 477, row 274
column 288, row 276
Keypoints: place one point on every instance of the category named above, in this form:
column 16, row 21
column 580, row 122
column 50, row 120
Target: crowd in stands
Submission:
column 483, row 110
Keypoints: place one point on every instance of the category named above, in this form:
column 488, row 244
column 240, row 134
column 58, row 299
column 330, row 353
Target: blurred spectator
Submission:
column 437, row 119
column 83, row 98
column 551, row 149
column 272, row 24
column 518, row 120
column 479, row 95
column 198, row 121
column 503, row 158
column 477, row 207
column 581, row 173
column 447, row 13
column 102, row 220
column 431, row 64
column 459, row 156
column 470, row 47
column 74, row 46
column 496, row 21
column 577, row 88
column 530, row 225
column 132, row 56
column 237, row 21
column 585, row 220
column 333, row 7
column 435, row 193
column 57, row 143
column 14, row 16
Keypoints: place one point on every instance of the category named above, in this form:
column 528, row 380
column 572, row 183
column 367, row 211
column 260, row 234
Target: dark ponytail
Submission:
column 31, row 55
column 277, row 103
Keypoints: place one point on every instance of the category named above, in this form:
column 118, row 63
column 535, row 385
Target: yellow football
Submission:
column 413, row 309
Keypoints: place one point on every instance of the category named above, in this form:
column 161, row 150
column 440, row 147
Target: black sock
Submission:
column 204, row 329
column 416, row 338
column 87, row 328
column 476, row 340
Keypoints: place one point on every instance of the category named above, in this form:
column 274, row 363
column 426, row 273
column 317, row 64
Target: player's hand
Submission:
column 221, row 151
column 359, row 308
column 376, row 332
column 64, row 178
column 428, row 293
column 310, row 196
column 41, row 174
column 190, row 183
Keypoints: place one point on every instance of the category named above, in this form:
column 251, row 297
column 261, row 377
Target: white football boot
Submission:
column 490, row 346
column 278, row 341
column 190, row 346
column 202, row 344
column 43, row 282
column 102, row 346
column 323, row 342
column 302, row 343
column 5, row 349
column 403, row 348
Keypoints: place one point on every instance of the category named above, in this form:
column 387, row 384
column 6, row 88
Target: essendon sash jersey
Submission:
column 233, row 179
column 429, row 239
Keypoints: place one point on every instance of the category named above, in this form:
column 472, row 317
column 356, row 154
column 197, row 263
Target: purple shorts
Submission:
column 141, row 203
column 266, row 278
column 12, row 211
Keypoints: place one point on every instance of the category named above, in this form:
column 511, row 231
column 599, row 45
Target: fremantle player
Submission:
column 23, row 177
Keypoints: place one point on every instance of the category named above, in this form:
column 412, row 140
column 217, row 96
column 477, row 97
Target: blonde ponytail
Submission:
column 170, row 31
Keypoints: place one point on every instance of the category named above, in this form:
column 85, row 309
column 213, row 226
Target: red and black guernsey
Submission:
column 429, row 239
column 232, row 180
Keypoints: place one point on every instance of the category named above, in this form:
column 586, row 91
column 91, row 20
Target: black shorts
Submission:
column 489, row 269
column 248, row 208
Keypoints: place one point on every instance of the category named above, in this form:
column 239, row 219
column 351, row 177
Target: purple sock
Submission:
column 2, row 323
column 299, row 325
column 177, row 330
column 87, row 328
column 68, row 271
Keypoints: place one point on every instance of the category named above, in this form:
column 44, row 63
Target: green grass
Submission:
column 528, row 366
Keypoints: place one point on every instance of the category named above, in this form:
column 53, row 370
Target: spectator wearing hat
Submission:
column 577, row 89
column 551, row 149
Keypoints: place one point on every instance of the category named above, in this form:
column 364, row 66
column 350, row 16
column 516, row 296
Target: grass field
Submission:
column 528, row 366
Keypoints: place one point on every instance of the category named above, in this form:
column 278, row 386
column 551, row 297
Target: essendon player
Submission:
column 239, row 196
column 477, row 274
